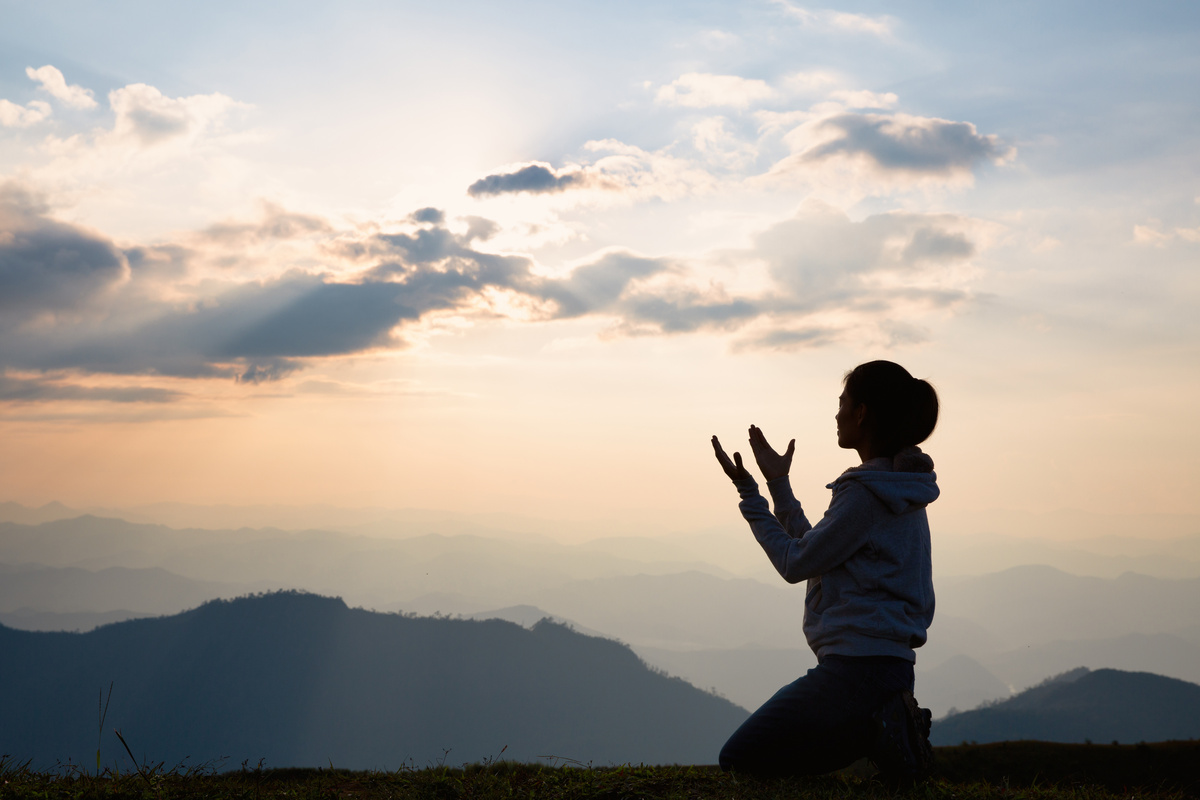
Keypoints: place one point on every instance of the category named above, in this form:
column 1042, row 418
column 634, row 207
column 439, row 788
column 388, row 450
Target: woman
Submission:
column 869, row 600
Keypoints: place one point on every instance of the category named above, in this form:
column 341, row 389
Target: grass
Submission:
column 970, row 772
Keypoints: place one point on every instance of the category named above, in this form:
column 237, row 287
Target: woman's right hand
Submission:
column 770, row 463
column 733, row 469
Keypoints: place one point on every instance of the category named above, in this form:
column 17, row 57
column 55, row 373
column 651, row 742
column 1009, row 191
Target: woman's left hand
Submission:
column 771, row 463
column 733, row 469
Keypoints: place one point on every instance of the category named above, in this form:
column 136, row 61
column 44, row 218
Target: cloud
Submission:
column 276, row 223
column 53, row 82
column 1153, row 234
column 432, row 216
column 821, row 258
column 905, row 143
column 35, row 390
column 16, row 116
column 851, row 155
column 598, row 285
column 536, row 178
column 862, row 98
column 685, row 311
column 75, row 304
column 637, row 174
column 702, row 90
column 621, row 173
column 828, row 19
column 712, row 138
column 873, row 281
column 48, row 266
column 147, row 116
column 263, row 330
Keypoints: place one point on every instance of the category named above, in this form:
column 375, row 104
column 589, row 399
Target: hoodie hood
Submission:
column 903, row 483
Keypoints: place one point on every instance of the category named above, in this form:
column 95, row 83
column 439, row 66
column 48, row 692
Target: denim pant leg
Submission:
column 819, row 722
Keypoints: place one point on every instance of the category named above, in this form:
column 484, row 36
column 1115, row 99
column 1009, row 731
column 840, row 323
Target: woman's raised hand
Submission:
column 771, row 463
column 733, row 469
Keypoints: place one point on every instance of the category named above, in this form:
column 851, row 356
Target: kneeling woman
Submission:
column 869, row 600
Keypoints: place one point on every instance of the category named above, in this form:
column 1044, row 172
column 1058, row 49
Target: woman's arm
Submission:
column 841, row 532
column 796, row 549
column 775, row 468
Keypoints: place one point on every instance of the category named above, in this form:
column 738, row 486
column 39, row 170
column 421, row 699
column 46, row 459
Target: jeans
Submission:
column 821, row 721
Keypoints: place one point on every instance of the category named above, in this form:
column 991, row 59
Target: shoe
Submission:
column 902, row 752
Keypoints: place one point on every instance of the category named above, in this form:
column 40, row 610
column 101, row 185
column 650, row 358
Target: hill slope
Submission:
column 1103, row 706
column 302, row 680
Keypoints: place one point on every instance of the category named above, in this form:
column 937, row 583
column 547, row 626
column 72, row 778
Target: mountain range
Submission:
column 1083, row 706
column 709, row 623
column 302, row 680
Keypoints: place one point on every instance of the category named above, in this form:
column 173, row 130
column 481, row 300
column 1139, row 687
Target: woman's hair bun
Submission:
column 902, row 411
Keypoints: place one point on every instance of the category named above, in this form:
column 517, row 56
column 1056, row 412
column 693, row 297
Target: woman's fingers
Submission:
column 734, row 468
column 720, row 451
column 726, row 464
column 758, row 439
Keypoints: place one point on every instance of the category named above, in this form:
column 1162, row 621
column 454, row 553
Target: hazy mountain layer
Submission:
column 957, row 684
column 366, row 571
column 1036, row 604
column 1101, row 706
column 696, row 623
column 1080, row 543
column 1161, row 653
column 79, row 621
column 302, row 680
column 71, row 589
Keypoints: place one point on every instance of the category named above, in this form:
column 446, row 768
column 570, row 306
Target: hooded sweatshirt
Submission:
column 867, row 562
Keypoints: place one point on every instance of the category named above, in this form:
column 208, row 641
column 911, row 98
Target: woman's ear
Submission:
column 860, row 413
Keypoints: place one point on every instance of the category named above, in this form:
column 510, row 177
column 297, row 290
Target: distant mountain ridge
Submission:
column 1083, row 705
column 302, row 680
column 740, row 635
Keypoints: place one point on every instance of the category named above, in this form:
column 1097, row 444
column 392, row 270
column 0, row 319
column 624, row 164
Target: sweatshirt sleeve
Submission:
column 813, row 551
column 787, row 507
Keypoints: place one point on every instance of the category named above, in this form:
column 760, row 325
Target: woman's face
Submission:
column 849, row 422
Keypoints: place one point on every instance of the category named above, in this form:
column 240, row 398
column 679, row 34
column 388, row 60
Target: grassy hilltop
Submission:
column 1008, row 770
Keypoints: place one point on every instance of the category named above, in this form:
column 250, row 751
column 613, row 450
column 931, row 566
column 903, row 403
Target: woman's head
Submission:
column 890, row 408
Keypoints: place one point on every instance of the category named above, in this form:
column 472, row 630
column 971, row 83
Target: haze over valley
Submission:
column 676, row 600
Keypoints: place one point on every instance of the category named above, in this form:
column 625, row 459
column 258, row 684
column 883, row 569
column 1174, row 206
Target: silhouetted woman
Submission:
column 869, row 600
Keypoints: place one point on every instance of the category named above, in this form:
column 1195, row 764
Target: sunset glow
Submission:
column 526, row 258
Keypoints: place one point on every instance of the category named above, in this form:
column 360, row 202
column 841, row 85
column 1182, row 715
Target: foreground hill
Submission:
column 302, row 680
column 1038, row 770
column 1104, row 705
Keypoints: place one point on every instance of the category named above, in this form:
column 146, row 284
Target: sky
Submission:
column 527, row 257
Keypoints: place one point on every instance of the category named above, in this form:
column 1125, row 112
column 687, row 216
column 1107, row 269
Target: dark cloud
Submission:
column 930, row 244
column 164, row 261
column 907, row 144
column 481, row 229
column 596, row 286
column 685, row 313
column 261, row 331
column 28, row 390
column 786, row 339
column 432, row 216
column 48, row 266
column 535, row 179
column 254, row 332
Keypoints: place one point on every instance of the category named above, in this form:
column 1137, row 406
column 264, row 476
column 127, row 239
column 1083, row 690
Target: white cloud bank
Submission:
column 52, row 81
column 13, row 115
column 702, row 90
column 881, row 26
